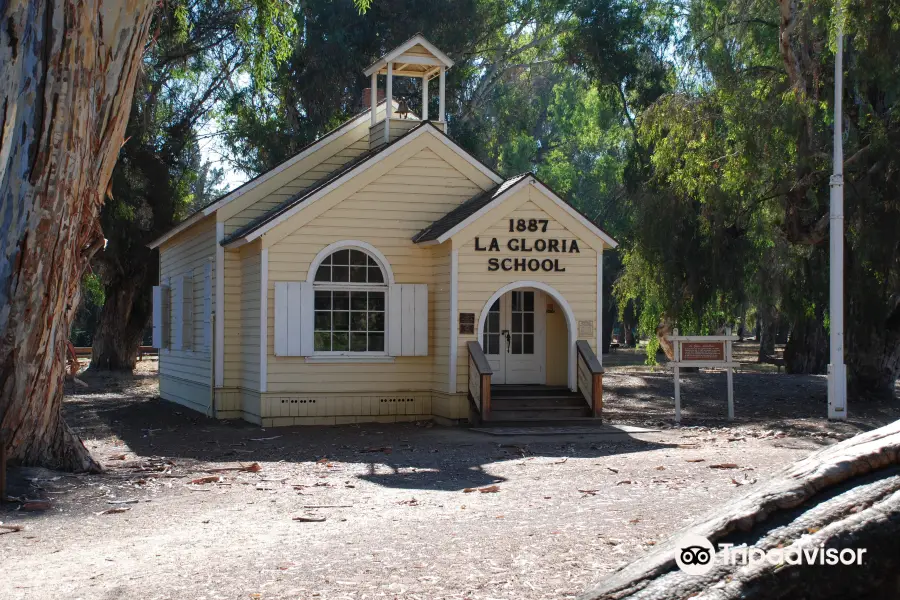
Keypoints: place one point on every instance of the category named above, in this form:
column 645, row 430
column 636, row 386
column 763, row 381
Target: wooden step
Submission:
column 538, row 402
column 552, row 413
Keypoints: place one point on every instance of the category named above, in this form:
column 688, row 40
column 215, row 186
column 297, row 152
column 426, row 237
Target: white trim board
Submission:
column 417, row 39
column 264, row 320
column 220, row 307
column 571, row 323
column 329, row 249
column 264, row 177
column 425, row 127
column 454, row 317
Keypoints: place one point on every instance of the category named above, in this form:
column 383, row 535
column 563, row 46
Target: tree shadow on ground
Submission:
column 397, row 455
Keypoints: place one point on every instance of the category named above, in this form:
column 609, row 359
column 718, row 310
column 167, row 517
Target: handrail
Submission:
column 479, row 379
column 590, row 377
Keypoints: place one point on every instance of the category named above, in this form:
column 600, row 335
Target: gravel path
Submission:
column 559, row 511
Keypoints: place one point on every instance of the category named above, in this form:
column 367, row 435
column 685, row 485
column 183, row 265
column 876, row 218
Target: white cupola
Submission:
column 416, row 57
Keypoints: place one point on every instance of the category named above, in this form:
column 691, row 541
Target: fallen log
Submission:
column 844, row 497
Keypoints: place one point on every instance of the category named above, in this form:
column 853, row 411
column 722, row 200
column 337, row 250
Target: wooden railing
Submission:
column 590, row 377
column 479, row 379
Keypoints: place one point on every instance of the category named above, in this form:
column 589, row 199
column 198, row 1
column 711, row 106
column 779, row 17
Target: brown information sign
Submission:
column 466, row 323
column 703, row 351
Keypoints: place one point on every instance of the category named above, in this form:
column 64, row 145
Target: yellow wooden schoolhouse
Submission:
column 384, row 274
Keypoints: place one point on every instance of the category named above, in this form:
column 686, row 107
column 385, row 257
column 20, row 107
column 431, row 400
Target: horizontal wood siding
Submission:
column 386, row 212
column 234, row 363
column 578, row 284
column 250, row 258
column 185, row 374
column 440, row 299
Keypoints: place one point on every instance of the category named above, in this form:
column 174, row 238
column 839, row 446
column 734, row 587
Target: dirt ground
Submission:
column 390, row 507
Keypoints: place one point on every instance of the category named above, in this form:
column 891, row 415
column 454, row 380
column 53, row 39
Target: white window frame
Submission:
column 387, row 275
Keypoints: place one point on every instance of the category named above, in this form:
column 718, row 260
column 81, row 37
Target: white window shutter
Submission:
column 408, row 320
column 160, row 316
column 183, row 305
column 293, row 318
column 207, row 307
column 307, row 318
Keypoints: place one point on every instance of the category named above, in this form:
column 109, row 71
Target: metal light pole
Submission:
column 837, row 370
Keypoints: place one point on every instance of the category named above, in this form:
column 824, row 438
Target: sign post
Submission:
column 709, row 351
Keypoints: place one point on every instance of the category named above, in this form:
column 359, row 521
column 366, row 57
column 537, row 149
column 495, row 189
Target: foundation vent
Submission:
column 397, row 400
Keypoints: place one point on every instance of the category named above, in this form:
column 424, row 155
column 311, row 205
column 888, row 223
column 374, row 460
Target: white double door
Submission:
column 514, row 338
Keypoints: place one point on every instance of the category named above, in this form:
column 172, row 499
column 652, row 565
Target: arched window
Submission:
column 350, row 301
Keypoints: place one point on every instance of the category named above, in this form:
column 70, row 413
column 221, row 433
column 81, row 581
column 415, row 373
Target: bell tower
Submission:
column 416, row 57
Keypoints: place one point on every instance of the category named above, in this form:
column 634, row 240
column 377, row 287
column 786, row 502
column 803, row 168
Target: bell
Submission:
column 402, row 108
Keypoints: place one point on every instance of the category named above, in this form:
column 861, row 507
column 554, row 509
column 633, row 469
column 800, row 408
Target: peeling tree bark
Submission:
column 845, row 496
column 67, row 73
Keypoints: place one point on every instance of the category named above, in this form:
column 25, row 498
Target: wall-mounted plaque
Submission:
column 585, row 329
column 466, row 323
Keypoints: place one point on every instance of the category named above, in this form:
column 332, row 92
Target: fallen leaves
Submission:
column 491, row 489
column 308, row 519
column 588, row 493
column 10, row 528
column 410, row 502
column 206, row 479
column 35, row 505
column 251, row 468
column 114, row 510
column 385, row 449
column 695, row 460
column 724, row 466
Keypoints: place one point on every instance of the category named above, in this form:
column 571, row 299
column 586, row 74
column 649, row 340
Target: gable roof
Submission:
column 416, row 40
column 226, row 198
column 471, row 210
column 293, row 204
column 464, row 211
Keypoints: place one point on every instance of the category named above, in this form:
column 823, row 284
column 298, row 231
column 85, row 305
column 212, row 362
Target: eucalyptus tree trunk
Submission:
column 67, row 73
column 123, row 319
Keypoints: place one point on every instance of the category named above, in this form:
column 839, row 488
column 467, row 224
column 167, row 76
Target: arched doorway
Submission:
column 513, row 332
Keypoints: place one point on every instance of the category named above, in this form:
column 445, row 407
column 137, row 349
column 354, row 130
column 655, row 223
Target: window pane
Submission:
column 323, row 321
column 358, row 342
column 327, row 260
column 371, row 261
column 493, row 322
column 341, row 320
column 358, row 321
column 517, row 322
column 375, row 275
column 341, row 257
column 357, row 274
column 323, row 273
column 357, row 301
column 517, row 343
column 529, row 300
column 496, row 306
column 358, row 258
column 376, row 301
column 376, row 342
column 492, row 343
column 376, row 321
column 528, row 345
column 341, row 300
column 529, row 322
column 323, row 300
column 340, row 274
column 323, row 341
column 339, row 342
column 517, row 300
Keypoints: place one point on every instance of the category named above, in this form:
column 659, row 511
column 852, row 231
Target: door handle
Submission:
column 506, row 333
